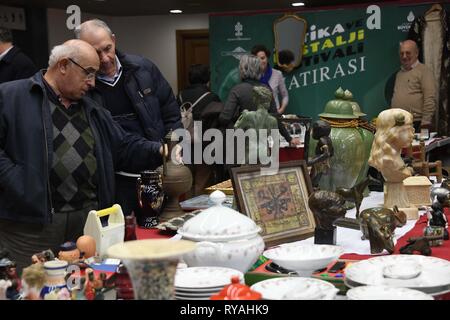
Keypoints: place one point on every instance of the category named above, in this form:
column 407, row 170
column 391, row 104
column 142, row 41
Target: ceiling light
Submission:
column 298, row 4
column 176, row 11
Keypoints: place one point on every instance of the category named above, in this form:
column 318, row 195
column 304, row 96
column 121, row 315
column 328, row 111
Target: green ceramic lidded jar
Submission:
column 349, row 149
column 366, row 130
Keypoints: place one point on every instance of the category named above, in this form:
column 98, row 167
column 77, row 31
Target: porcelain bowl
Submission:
column 304, row 258
column 235, row 254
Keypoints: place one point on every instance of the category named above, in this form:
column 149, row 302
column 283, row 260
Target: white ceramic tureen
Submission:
column 225, row 237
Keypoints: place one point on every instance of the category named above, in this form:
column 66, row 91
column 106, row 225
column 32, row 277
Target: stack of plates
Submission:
column 200, row 283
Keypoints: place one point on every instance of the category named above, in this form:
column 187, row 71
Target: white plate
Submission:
column 199, row 291
column 386, row 293
column 183, row 298
column 196, row 294
column 205, row 277
column 303, row 258
column 295, row 288
column 427, row 274
column 206, row 296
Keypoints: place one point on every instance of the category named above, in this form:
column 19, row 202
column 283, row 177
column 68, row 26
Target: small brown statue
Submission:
column 420, row 245
column 355, row 194
column 381, row 228
column 324, row 151
column 395, row 217
column 326, row 206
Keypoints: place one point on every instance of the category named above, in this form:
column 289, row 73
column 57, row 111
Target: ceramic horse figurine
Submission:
column 355, row 194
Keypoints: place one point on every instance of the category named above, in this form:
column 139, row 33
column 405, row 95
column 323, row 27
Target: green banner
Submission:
column 352, row 48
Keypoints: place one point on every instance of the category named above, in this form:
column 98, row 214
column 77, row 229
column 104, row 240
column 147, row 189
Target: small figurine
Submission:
column 394, row 217
column 437, row 221
column 257, row 150
column 324, row 151
column 86, row 246
column 4, row 285
column 8, row 271
column 130, row 227
column 381, row 232
column 355, row 194
column 89, row 290
column 420, row 244
column 33, row 280
column 78, row 292
column 69, row 252
column 43, row 256
column 326, row 206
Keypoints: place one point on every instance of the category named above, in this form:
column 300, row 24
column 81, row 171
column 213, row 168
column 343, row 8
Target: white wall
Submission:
column 57, row 29
column 153, row 37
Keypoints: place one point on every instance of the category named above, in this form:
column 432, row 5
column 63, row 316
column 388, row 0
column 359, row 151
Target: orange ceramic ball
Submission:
column 86, row 244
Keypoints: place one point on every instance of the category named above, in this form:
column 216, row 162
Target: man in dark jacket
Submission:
column 137, row 95
column 58, row 153
column 14, row 64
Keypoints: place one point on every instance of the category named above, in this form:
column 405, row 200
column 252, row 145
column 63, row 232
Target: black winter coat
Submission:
column 16, row 65
column 26, row 151
column 151, row 96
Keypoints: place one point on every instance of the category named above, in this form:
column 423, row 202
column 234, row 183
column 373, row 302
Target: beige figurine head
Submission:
column 394, row 132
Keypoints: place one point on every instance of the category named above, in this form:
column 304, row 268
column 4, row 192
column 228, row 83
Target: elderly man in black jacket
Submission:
column 58, row 153
column 137, row 95
column 14, row 64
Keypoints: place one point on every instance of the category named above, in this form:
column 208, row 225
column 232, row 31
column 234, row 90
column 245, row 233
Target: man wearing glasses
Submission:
column 58, row 153
column 137, row 95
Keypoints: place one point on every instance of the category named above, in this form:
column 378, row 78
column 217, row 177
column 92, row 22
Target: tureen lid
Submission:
column 218, row 223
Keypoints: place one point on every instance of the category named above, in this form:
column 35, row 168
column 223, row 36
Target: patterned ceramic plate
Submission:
column 427, row 274
column 386, row 293
column 295, row 288
column 205, row 277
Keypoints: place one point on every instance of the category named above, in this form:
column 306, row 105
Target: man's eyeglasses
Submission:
column 89, row 74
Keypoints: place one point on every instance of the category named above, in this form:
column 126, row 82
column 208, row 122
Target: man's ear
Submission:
column 113, row 38
column 62, row 65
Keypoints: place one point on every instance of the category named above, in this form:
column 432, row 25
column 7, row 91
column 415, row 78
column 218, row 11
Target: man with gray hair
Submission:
column 137, row 95
column 414, row 89
column 58, row 153
column 14, row 64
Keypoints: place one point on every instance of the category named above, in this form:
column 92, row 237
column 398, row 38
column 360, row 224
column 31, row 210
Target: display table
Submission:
column 350, row 240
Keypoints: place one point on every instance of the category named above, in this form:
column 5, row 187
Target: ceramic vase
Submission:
column 150, row 195
column 176, row 180
column 55, row 272
column 151, row 265
column 348, row 159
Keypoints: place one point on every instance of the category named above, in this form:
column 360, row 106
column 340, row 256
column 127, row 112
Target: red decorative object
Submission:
column 236, row 291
